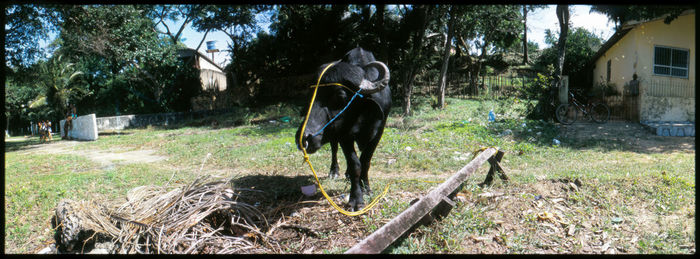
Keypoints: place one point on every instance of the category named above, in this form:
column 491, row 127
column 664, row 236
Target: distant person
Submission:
column 68, row 126
column 49, row 130
column 42, row 131
column 74, row 114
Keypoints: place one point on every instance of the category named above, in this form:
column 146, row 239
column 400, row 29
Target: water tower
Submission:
column 211, row 48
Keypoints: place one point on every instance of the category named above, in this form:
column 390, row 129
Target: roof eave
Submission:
column 610, row 42
column 205, row 58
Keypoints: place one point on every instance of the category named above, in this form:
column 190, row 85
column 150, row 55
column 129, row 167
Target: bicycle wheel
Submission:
column 566, row 114
column 600, row 113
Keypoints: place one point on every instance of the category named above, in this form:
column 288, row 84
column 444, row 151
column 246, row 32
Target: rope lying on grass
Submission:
column 196, row 218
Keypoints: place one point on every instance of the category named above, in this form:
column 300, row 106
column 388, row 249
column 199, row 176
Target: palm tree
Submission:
column 58, row 80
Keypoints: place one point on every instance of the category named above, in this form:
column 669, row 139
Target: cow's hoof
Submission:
column 333, row 174
column 356, row 206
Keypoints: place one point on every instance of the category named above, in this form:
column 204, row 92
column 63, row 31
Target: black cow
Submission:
column 362, row 122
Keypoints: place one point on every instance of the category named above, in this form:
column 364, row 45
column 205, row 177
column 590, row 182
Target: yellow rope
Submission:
column 306, row 156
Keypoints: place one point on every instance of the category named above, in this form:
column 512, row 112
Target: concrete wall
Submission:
column 667, row 109
column 84, row 128
column 135, row 121
column 155, row 119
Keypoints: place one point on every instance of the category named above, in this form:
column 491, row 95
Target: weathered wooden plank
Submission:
column 381, row 239
column 495, row 168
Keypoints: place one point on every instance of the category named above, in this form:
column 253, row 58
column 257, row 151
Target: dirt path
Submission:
column 106, row 158
column 634, row 134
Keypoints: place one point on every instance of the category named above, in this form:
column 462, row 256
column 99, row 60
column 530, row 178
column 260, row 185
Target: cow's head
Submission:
column 357, row 71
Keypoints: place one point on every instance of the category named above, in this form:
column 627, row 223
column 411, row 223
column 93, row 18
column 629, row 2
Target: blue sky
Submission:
column 537, row 22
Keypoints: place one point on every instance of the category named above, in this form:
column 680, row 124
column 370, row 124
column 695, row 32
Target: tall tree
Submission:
column 187, row 13
column 59, row 81
column 25, row 25
column 486, row 29
column 418, row 18
column 238, row 22
column 563, row 17
column 581, row 45
column 524, row 34
column 138, row 67
column 442, row 82
column 526, row 9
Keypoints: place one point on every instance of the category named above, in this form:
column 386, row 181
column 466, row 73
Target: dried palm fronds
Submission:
column 196, row 218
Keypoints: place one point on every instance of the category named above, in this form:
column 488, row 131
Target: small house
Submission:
column 662, row 58
column 213, row 81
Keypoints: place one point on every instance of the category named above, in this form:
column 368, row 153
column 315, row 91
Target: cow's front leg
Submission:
column 334, row 161
column 356, row 201
column 366, row 158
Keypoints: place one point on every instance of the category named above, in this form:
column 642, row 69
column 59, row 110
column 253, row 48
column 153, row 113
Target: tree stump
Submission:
column 70, row 235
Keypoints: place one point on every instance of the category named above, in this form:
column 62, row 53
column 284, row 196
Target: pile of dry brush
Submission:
column 196, row 218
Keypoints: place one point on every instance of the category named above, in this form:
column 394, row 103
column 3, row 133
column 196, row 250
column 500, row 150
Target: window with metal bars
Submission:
column 670, row 61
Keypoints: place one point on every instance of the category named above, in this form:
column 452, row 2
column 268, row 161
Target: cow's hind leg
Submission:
column 356, row 201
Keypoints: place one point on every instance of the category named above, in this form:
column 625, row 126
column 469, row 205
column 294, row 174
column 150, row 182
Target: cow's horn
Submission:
column 370, row 87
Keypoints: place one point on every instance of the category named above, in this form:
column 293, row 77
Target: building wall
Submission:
column 664, row 98
column 212, row 80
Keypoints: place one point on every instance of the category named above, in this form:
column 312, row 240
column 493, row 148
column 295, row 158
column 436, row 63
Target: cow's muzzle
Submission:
column 310, row 143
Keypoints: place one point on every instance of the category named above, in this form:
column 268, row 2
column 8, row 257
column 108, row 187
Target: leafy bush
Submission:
column 537, row 93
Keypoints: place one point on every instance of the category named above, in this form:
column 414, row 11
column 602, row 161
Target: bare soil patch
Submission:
column 106, row 158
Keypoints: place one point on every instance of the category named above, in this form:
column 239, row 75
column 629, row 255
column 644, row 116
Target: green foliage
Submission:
column 131, row 71
column 619, row 14
column 129, row 66
column 533, row 94
column 25, row 25
column 581, row 45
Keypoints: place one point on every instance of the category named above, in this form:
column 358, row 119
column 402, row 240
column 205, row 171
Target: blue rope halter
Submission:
column 341, row 112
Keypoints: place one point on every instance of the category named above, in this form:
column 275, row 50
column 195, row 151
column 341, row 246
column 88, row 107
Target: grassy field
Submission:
column 607, row 194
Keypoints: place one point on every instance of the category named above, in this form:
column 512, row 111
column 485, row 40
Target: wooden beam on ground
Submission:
column 381, row 239
column 495, row 169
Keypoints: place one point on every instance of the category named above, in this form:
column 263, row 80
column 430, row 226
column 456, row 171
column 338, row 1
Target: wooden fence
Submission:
column 458, row 85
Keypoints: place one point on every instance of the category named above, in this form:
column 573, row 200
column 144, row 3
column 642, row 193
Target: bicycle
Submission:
column 567, row 113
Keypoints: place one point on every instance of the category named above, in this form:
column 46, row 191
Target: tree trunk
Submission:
column 525, row 35
column 476, row 69
column 563, row 16
column 445, row 60
column 416, row 57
